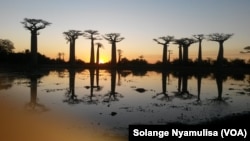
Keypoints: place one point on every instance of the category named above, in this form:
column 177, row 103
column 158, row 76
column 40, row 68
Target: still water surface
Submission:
column 115, row 99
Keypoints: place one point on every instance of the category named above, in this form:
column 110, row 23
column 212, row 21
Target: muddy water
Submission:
column 112, row 100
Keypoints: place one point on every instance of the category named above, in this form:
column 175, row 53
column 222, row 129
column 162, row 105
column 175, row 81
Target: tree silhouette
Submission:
column 112, row 96
column 183, row 91
column 34, row 25
column 247, row 50
column 113, row 38
column 71, row 97
column 166, row 41
column 199, row 37
column 186, row 43
column 6, row 46
column 165, row 96
column 180, row 43
column 71, row 36
column 220, row 38
column 92, row 99
column 90, row 34
column 99, row 45
column 34, row 105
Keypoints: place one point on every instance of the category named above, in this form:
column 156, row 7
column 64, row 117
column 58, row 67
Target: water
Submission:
column 115, row 99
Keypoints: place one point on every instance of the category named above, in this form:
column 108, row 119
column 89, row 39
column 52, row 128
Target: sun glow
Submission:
column 101, row 61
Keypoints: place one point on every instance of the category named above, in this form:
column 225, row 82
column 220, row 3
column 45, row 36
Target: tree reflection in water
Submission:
column 92, row 98
column 71, row 97
column 33, row 105
column 183, row 92
column 112, row 95
column 164, row 95
column 220, row 77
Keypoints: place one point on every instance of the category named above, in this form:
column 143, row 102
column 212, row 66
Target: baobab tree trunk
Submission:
column 164, row 57
column 33, row 48
column 113, row 57
column 185, row 54
column 72, row 52
column 199, row 53
column 220, row 56
column 97, row 56
column 180, row 53
column 92, row 55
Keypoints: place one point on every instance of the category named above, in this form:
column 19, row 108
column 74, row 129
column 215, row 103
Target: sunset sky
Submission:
column 139, row 21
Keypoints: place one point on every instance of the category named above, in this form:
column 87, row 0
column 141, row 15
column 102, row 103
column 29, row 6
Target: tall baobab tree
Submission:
column 92, row 35
column 220, row 38
column 71, row 36
column 99, row 45
column 166, row 41
column 180, row 43
column 186, row 44
column 199, row 37
column 34, row 25
column 113, row 38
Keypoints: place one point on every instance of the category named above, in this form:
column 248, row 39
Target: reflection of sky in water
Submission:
column 131, row 107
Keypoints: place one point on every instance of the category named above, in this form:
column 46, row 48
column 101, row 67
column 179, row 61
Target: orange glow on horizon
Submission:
column 101, row 61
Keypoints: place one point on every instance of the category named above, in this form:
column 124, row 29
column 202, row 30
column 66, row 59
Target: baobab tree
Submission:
column 99, row 45
column 166, row 41
column 71, row 36
column 220, row 38
column 180, row 43
column 92, row 35
column 34, row 25
column 113, row 38
column 186, row 44
column 199, row 38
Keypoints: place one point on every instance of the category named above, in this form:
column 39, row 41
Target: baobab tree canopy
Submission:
column 89, row 34
column 188, row 41
column 34, row 24
column 92, row 35
column 199, row 36
column 166, row 39
column 113, row 37
column 72, row 34
column 219, row 37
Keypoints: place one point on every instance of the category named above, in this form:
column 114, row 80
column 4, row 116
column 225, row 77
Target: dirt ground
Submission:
column 18, row 125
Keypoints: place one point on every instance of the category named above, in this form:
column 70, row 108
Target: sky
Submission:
column 138, row 21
